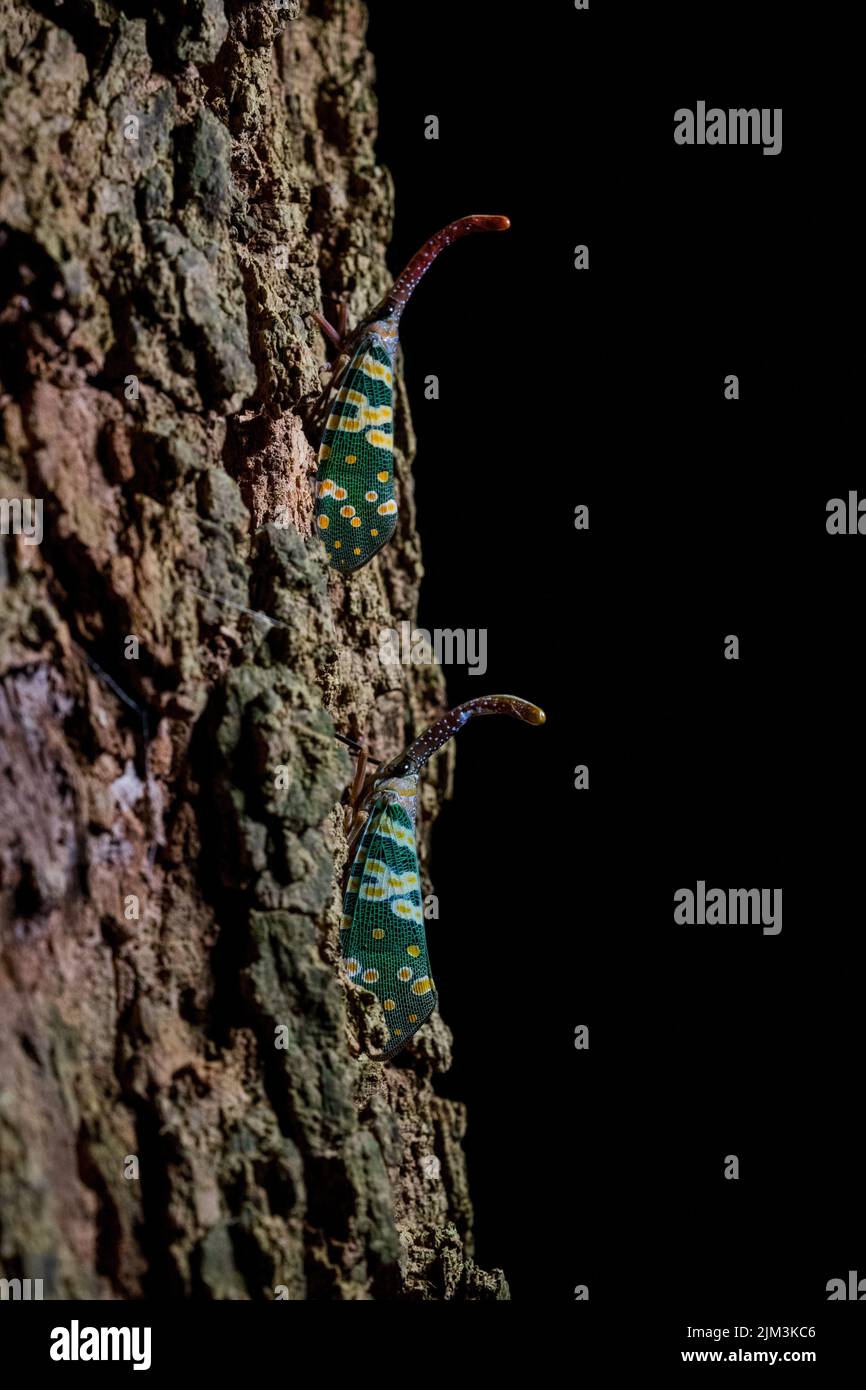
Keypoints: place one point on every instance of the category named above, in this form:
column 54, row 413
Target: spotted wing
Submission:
column 355, row 509
column 382, row 937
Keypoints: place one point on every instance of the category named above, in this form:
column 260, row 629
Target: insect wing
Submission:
column 382, row 936
column 356, row 513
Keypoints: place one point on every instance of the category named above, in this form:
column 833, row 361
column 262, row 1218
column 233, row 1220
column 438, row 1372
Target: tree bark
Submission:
column 191, row 1103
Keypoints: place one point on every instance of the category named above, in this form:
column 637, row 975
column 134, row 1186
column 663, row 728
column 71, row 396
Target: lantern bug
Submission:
column 356, row 513
column 382, row 936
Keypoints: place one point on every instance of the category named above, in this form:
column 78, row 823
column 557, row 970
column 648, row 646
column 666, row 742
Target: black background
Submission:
column 707, row 517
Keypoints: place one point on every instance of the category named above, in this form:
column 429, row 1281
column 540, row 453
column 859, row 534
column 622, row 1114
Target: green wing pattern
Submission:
column 382, row 938
column 355, row 509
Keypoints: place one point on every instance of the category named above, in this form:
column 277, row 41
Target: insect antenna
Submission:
column 432, row 739
column 398, row 296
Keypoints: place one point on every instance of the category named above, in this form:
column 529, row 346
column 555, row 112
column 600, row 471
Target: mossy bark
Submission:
column 190, row 1101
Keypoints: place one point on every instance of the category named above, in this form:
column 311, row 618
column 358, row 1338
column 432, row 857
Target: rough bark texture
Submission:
column 181, row 186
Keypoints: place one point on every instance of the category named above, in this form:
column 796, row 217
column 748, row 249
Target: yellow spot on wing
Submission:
column 354, row 397
column 375, row 369
column 343, row 422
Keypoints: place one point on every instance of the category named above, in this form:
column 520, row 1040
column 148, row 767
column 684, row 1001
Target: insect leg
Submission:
column 356, row 789
column 335, row 335
column 356, row 832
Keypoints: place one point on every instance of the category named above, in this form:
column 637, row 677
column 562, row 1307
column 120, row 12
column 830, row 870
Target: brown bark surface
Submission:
column 182, row 185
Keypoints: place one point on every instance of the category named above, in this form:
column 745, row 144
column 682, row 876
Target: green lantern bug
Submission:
column 382, row 934
column 356, row 512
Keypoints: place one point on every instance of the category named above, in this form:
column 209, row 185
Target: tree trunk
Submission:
column 190, row 1101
